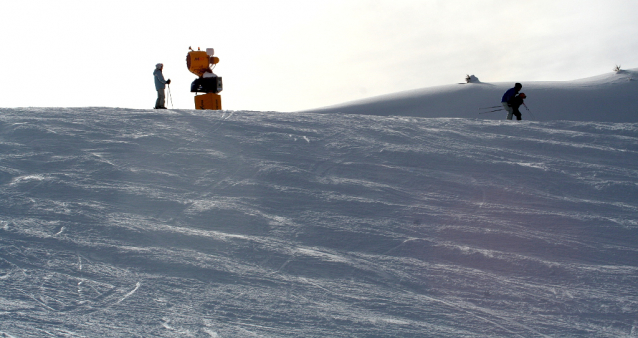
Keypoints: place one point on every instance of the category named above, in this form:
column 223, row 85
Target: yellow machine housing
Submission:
column 198, row 62
column 210, row 101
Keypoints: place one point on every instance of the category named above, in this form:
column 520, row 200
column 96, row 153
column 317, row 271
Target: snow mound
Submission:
column 472, row 79
column 605, row 98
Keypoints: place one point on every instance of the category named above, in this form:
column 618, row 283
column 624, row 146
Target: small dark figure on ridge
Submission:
column 510, row 94
column 516, row 103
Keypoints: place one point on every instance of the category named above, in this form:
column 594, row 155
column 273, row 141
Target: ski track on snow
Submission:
column 120, row 222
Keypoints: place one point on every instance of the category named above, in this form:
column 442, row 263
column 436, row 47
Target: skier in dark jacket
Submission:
column 510, row 94
column 516, row 103
column 160, row 85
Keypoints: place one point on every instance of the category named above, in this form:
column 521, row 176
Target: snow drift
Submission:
column 605, row 98
column 142, row 223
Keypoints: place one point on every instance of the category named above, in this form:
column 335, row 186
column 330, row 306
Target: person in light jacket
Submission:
column 160, row 85
column 510, row 94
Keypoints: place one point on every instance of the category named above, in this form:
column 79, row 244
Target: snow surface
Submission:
column 184, row 223
column 606, row 98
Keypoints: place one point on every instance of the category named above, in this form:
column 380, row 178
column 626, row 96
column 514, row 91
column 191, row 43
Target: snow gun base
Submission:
column 209, row 101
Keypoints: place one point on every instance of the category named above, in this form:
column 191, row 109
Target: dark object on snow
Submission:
column 471, row 79
column 516, row 103
column 207, row 85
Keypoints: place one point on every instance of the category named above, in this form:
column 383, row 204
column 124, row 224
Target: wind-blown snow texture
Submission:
column 145, row 223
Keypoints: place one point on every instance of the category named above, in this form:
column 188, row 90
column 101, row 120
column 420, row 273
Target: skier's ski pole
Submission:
column 485, row 112
column 169, row 96
column 530, row 112
column 491, row 107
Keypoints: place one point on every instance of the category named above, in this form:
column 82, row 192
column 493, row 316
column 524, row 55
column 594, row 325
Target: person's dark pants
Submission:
column 160, row 103
column 518, row 115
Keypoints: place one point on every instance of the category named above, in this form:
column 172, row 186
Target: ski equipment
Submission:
column 169, row 96
column 491, row 111
column 530, row 112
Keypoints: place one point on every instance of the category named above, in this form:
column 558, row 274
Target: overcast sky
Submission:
column 286, row 55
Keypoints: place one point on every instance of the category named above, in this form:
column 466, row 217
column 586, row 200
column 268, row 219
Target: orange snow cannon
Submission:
column 201, row 63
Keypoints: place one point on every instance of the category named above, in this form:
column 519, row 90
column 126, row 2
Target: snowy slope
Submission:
column 143, row 223
column 606, row 98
